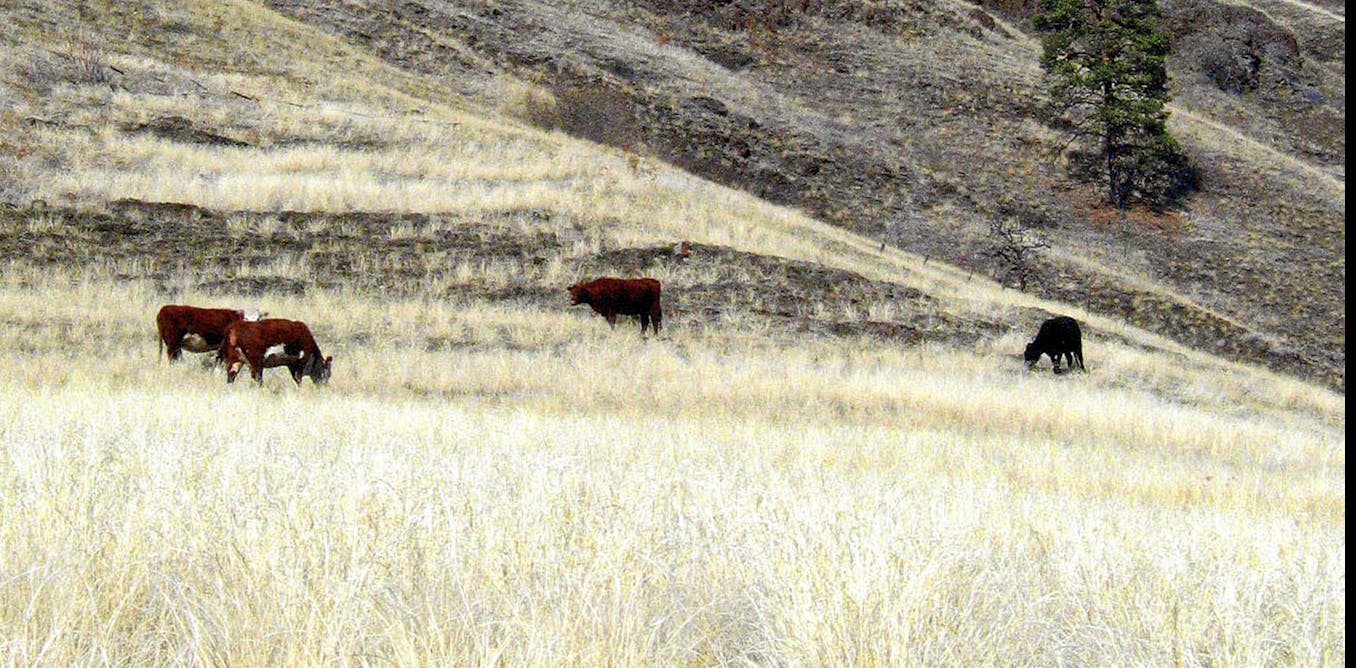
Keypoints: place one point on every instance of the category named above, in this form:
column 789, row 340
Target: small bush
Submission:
column 596, row 111
column 1015, row 246
column 1230, row 65
column 87, row 60
column 530, row 103
column 80, row 60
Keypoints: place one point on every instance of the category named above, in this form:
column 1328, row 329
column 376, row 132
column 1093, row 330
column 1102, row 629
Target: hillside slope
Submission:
column 916, row 123
column 831, row 455
column 910, row 124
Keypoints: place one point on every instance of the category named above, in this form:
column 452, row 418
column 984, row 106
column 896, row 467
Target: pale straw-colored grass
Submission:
column 492, row 484
column 487, row 484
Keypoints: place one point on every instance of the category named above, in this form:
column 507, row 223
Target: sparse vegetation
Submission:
column 488, row 480
column 832, row 456
column 1015, row 246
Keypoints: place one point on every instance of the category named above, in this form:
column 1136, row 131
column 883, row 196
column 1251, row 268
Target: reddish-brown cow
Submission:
column 274, row 342
column 611, row 297
column 195, row 329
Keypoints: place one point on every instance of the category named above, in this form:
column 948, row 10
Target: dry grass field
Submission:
column 831, row 456
column 548, row 492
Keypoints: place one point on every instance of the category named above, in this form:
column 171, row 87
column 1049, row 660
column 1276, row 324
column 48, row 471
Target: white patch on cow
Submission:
column 276, row 351
column 252, row 314
column 194, row 343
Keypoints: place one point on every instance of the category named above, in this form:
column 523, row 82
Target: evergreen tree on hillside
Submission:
column 1106, row 76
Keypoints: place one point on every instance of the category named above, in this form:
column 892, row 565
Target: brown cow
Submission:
column 197, row 330
column 274, row 342
column 611, row 297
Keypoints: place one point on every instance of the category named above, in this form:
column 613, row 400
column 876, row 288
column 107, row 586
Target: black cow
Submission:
column 1058, row 337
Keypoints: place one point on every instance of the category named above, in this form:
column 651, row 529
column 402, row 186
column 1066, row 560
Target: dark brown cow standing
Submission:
column 195, row 329
column 274, row 342
column 611, row 297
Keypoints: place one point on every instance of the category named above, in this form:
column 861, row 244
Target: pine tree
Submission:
column 1106, row 76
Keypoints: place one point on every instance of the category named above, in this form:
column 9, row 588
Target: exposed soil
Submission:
column 917, row 123
column 233, row 254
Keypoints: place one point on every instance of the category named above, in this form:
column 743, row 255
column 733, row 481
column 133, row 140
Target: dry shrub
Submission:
column 81, row 59
column 87, row 60
column 597, row 111
column 528, row 102
column 1233, row 46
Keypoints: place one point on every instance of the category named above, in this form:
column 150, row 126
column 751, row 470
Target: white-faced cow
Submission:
column 196, row 329
column 1058, row 337
column 274, row 342
column 611, row 297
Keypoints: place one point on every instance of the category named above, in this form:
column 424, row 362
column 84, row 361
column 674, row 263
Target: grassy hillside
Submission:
column 833, row 454
column 916, row 123
column 488, row 483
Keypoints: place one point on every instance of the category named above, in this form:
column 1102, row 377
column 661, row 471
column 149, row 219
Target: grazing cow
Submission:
column 611, row 297
column 274, row 342
column 1058, row 337
column 197, row 330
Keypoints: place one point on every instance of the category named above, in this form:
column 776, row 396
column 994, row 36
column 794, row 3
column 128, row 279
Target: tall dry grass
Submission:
column 489, row 484
column 495, row 485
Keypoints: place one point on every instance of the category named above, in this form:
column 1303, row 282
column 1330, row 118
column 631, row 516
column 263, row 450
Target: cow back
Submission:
column 260, row 335
column 184, row 318
column 628, row 296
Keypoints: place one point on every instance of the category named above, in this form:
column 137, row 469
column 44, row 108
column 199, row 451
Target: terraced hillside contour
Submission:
column 916, row 123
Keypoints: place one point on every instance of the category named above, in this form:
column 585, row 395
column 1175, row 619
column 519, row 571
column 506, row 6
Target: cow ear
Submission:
column 328, row 360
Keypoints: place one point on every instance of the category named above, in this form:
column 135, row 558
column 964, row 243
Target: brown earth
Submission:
column 918, row 123
column 160, row 242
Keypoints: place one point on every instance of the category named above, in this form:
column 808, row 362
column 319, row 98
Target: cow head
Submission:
column 578, row 294
column 315, row 367
column 1032, row 354
column 234, row 362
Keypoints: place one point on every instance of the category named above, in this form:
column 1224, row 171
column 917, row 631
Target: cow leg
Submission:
column 174, row 348
column 656, row 317
column 256, row 361
column 611, row 317
column 644, row 323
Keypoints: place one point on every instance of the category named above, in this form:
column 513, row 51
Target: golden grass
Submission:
column 486, row 484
